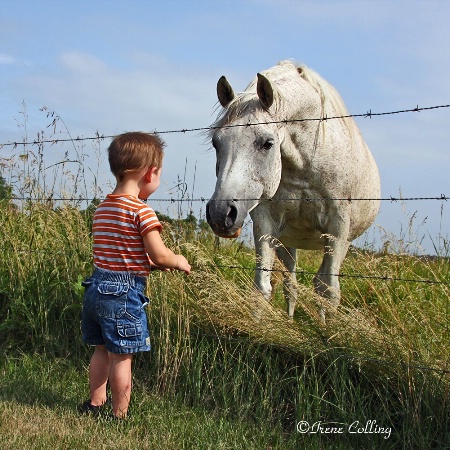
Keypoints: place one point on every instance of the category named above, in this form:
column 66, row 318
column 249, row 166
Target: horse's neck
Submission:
column 311, row 146
column 302, row 143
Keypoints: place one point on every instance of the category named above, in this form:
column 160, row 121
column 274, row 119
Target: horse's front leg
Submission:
column 264, row 263
column 288, row 256
column 326, row 281
column 264, row 250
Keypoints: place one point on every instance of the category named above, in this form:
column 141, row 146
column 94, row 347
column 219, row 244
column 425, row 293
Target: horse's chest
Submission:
column 297, row 236
column 299, row 225
column 300, row 206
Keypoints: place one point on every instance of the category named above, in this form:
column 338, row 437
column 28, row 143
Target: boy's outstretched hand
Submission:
column 183, row 265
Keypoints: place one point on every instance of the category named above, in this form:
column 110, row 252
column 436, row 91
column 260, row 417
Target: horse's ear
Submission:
column 225, row 92
column 264, row 89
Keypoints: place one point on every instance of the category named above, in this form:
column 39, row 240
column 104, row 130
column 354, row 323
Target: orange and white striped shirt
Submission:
column 120, row 222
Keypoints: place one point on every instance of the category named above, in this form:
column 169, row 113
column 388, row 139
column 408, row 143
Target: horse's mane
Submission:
column 331, row 100
column 332, row 103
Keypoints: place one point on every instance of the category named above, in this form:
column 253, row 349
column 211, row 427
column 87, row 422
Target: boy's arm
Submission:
column 161, row 255
column 153, row 267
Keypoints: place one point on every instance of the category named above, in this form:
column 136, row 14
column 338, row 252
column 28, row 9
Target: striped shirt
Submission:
column 120, row 222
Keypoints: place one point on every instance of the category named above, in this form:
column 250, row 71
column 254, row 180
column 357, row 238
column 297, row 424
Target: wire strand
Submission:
column 98, row 136
column 441, row 197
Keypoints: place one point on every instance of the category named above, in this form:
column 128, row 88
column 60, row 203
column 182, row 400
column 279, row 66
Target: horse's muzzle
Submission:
column 222, row 218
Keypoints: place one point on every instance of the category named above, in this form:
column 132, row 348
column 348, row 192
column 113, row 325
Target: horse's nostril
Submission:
column 231, row 216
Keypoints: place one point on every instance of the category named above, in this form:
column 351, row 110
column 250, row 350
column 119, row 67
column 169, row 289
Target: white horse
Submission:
column 307, row 178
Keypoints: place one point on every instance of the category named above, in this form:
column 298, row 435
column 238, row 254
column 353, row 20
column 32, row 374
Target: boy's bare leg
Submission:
column 98, row 375
column 120, row 382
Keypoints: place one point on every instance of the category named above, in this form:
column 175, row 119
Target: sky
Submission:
column 111, row 66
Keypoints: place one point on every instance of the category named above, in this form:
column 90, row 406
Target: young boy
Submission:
column 127, row 245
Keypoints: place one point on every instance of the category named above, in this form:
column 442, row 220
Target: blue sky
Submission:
column 114, row 66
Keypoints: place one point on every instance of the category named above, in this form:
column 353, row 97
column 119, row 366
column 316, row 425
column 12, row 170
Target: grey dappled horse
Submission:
column 296, row 177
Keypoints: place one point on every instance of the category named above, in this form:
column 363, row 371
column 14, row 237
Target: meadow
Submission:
column 227, row 369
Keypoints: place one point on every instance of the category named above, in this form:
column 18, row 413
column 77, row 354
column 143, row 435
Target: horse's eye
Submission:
column 268, row 144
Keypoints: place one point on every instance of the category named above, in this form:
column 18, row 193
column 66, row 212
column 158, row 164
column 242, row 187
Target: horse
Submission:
column 288, row 153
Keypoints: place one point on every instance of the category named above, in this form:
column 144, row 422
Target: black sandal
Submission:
column 89, row 409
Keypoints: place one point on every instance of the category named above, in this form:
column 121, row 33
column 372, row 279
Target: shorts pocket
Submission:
column 129, row 328
column 113, row 288
column 111, row 299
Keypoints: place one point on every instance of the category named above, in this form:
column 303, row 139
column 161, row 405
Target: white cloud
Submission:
column 107, row 98
column 90, row 95
column 6, row 59
column 79, row 62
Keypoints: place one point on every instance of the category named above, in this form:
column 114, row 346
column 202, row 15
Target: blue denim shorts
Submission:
column 114, row 312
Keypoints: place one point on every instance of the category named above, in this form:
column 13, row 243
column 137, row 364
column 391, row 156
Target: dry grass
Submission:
column 386, row 325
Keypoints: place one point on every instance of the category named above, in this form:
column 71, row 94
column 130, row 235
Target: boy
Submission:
column 127, row 245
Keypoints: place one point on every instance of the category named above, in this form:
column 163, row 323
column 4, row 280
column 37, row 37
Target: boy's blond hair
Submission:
column 134, row 151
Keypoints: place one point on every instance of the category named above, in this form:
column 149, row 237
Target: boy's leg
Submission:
column 120, row 382
column 98, row 375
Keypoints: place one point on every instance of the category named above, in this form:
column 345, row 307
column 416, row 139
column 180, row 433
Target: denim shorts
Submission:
column 114, row 312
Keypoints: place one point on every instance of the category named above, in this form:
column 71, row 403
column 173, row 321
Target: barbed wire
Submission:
column 301, row 272
column 99, row 136
column 340, row 275
column 441, row 197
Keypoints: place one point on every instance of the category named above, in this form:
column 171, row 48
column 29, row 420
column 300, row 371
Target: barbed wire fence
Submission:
column 99, row 136
column 40, row 141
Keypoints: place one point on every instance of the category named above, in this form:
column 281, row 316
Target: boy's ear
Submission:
column 148, row 175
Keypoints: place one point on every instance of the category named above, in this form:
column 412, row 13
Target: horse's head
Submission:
column 248, row 166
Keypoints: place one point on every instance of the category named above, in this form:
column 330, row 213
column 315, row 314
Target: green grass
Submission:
column 38, row 410
column 227, row 370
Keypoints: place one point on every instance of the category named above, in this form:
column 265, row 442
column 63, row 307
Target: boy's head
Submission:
column 134, row 151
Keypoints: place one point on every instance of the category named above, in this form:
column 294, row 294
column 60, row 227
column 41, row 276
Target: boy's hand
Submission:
column 183, row 265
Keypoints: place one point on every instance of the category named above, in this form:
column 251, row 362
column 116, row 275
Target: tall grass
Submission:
column 44, row 251
column 219, row 346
